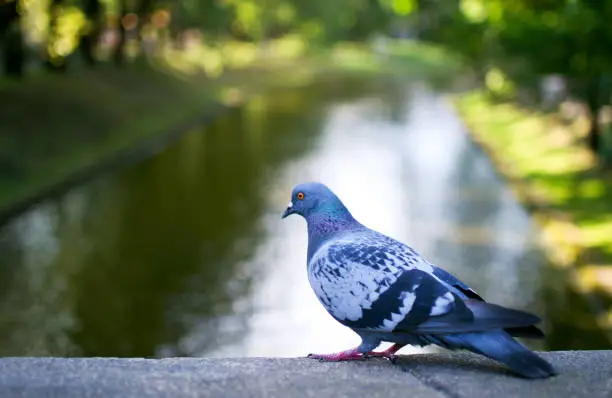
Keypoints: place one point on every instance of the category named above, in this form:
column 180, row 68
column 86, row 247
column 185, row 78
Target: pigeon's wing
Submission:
column 383, row 285
column 377, row 283
column 460, row 288
column 466, row 292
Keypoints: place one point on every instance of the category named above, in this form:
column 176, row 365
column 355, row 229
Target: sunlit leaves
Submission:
column 248, row 17
column 35, row 19
column 70, row 21
column 285, row 13
column 312, row 29
column 403, row 7
column 399, row 7
column 111, row 6
column 497, row 82
column 477, row 11
column 495, row 10
column 256, row 18
column 473, row 10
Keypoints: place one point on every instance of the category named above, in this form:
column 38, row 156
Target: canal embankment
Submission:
column 582, row 374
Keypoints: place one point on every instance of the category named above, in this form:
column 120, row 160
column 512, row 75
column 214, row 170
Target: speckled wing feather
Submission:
column 372, row 282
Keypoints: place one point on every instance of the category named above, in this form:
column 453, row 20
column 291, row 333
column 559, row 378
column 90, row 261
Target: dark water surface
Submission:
column 185, row 253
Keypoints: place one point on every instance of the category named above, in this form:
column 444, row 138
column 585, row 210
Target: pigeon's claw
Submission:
column 388, row 353
column 354, row 354
column 391, row 357
column 348, row 355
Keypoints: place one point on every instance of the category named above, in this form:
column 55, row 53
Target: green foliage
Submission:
column 521, row 40
column 402, row 7
column 525, row 40
column 55, row 29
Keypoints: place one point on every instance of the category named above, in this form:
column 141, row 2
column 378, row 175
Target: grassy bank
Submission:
column 57, row 128
column 557, row 178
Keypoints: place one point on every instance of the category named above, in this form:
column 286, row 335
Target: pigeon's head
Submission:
column 312, row 197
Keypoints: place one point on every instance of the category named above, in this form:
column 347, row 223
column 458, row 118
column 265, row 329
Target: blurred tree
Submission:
column 134, row 15
column 53, row 60
column 370, row 17
column 11, row 38
column 119, row 54
column 143, row 12
column 529, row 39
column 329, row 21
column 94, row 12
column 571, row 38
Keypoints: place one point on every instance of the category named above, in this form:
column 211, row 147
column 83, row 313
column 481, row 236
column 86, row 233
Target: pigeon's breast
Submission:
column 345, row 287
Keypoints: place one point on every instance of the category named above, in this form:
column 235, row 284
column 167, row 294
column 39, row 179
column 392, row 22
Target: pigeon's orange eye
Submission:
column 300, row 195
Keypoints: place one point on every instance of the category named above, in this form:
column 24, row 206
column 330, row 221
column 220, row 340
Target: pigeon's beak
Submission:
column 288, row 211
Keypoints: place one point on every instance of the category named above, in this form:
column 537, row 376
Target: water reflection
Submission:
column 185, row 253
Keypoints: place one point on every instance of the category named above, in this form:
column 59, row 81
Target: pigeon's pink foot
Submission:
column 348, row 355
column 389, row 353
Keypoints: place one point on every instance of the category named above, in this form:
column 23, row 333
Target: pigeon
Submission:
column 385, row 291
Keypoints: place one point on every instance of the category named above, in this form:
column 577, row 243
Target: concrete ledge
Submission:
column 582, row 374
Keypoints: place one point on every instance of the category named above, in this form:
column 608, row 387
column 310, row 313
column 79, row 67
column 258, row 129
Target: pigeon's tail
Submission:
column 498, row 345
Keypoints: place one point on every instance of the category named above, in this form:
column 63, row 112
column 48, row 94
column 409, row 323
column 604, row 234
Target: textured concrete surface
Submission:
column 582, row 374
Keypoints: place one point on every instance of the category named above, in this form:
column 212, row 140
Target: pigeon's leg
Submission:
column 389, row 353
column 353, row 354
column 348, row 355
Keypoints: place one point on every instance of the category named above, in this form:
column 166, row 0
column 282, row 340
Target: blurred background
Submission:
column 148, row 148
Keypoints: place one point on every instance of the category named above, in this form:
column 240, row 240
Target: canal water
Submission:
column 185, row 254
